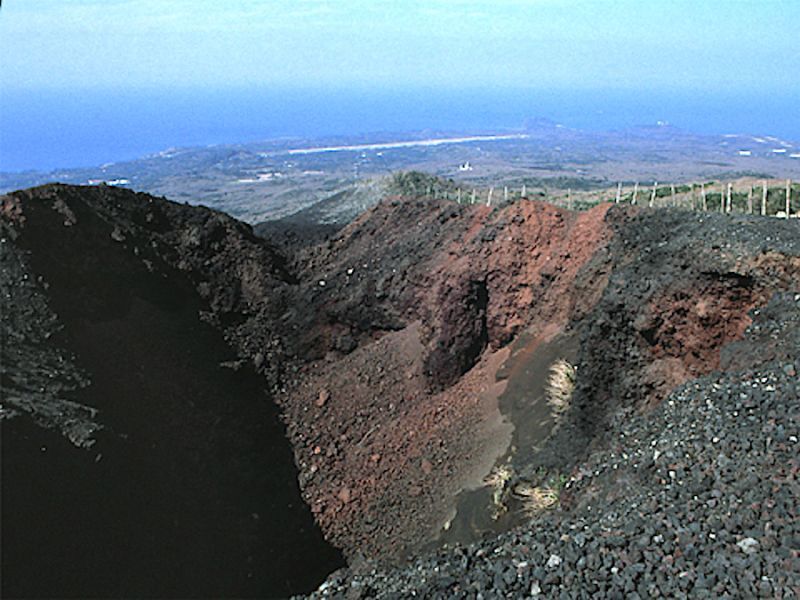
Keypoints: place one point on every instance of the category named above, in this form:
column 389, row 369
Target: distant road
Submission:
column 387, row 145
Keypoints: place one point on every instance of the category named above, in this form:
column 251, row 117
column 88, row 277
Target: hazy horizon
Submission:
column 546, row 44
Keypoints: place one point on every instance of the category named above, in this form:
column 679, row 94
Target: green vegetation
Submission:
column 562, row 183
column 417, row 184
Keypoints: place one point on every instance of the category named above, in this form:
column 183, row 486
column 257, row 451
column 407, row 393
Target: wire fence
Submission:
column 774, row 198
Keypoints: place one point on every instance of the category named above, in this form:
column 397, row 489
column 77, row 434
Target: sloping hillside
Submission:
column 411, row 354
column 173, row 476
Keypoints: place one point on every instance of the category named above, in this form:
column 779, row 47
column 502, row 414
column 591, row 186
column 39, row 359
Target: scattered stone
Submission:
column 117, row 235
column 748, row 545
column 322, row 399
column 233, row 365
column 554, row 561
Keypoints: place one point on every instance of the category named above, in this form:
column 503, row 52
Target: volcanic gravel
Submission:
column 696, row 498
column 686, row 488
column 681, row 443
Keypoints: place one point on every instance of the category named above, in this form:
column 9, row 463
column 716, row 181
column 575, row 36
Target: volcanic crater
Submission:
column 408, row 354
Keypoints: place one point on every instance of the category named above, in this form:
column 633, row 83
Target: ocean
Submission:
column 52, row 129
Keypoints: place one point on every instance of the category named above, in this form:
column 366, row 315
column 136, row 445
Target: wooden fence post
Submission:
column 788, row 197
column 489, row 199
column 635, row 192
column 750, row 201
column 764, row 199
column 729, row 202
column 619, row 192
column 473, row 196
column 703, row 194
column 523, row 191
column 722, row 198
column 653, row 195
column 505, row 194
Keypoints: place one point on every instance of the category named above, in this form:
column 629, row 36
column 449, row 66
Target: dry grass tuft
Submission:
column 560, row 386
column 536, row 499
column 498, row 480
column 499, row 477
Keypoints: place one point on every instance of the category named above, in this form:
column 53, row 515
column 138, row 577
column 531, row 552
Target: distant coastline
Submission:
column 405, row 144
column 52, row 129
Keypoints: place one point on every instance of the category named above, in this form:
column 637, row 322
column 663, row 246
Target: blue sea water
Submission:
column 49, row 129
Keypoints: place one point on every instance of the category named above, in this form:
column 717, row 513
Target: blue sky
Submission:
column 550, row 44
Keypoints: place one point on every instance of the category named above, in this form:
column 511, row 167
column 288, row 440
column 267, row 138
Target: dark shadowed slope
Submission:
column 189, row 488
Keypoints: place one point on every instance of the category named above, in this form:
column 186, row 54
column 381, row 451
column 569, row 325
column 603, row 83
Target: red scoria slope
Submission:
column 387, row 434
column 417, row 302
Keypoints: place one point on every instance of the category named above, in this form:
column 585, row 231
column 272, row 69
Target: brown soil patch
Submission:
column 382, row 457
column 411, row 417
